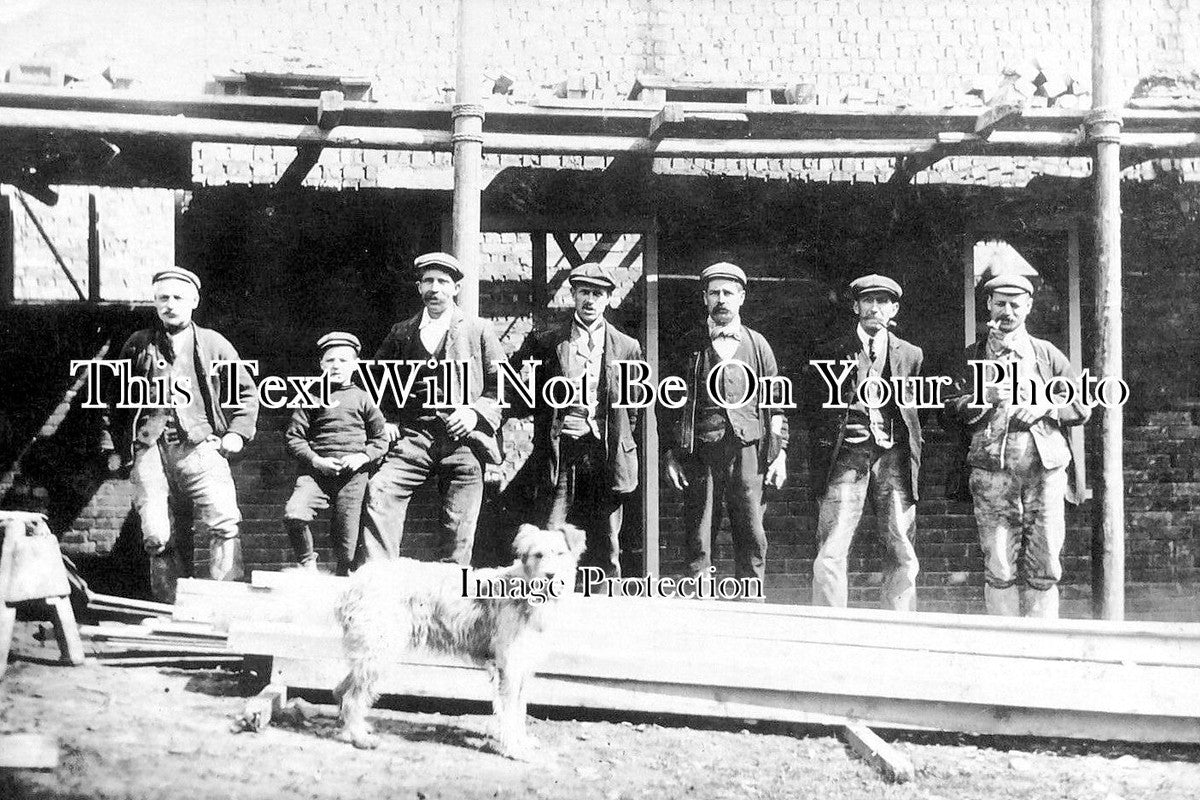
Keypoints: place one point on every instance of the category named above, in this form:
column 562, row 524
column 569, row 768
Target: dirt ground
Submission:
column 153, row 732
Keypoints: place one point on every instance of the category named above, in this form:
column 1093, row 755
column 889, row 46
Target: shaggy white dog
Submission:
column 494, row 617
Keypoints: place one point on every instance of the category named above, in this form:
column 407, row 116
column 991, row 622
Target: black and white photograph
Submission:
column 599, row 399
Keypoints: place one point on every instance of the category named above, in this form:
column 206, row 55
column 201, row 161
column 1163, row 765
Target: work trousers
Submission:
column 314, row 492
column 167, row 479
column 582, row 497
column 725, row 469
column 1022, row 525
column 417, row 454
column 884, row 474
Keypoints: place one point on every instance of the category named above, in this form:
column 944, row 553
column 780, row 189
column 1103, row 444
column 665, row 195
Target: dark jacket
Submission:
column 149, row 347
column 958, row 415
column 827, row 426
column 680, row 432
column 474, row 341
column 551, row 347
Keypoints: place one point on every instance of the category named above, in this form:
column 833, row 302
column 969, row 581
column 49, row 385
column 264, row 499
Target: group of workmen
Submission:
column 365, row 461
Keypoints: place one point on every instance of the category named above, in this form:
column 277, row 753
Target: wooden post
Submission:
column 8, row 279
column 540, row 291
column 93, row 250
column 468, row 150
column 1075, row 339
column 649, row 443
column 969, row 289
column 1104, row 129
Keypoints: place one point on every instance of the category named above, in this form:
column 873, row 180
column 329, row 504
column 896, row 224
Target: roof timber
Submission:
column 694, row 130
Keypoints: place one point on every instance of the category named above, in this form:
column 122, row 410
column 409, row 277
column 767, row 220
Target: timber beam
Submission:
column 331, row 108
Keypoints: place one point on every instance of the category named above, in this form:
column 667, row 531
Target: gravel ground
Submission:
column 145, row 732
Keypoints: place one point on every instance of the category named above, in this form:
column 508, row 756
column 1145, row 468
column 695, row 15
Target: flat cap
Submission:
column 443, row 261
column 177, row 274
column 592, row 275
column 339, row 339
column 875, row 283
column 723, row 269
column 1009, row 282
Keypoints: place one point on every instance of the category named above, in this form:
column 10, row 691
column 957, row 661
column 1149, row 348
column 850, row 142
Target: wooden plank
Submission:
column 305, row 159
column 168, row 660
column 93, row 249
column 442, row 681
column 665, row 122
column 648, row 446
column 539, row 294
column 259, row 710
column 28, row 751
column 987, row 121
column 890, row 762
column 7, row 251
column 1080, row 640
column 801, row 707
column 908, row 166
column 8, row 620
column 66, row 631
column 567, row 246
column 829, row 669
column 968, row 260
column 1075, row 346
column 331, row 108
column 148, row 605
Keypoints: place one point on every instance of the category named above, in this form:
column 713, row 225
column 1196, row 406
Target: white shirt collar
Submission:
column 578, row 324
column 732, row 328
column 441, row 323
column 880, row 339
column 1017, row 342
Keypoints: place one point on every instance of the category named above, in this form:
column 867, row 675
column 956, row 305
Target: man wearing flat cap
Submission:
column 177, row 447
column 1019, row 457
column 715, row 452
column 586, row 454
column 861, row 451
column 335, row 447
column 451, row 443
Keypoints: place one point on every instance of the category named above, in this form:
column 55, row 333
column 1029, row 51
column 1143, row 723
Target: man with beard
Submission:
column 586, row 454
column 717, row 452
column 452, row 443
column 177, row 447
column 859, row 450
column 1018, row 457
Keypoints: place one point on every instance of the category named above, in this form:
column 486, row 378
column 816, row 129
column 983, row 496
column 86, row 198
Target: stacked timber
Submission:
column 1086, row 679
column 155, row 640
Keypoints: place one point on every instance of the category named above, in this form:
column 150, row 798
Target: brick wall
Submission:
column 335, row 260
column 135, row 233
column 892, row 52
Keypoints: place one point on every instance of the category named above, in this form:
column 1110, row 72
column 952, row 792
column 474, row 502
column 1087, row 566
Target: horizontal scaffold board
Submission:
column 963, row 673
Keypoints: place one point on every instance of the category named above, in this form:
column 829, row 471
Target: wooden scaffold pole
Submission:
column 467, row 141
column 1104, row 130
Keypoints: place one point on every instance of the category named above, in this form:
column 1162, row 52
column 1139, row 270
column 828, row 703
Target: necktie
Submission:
column 871, row 350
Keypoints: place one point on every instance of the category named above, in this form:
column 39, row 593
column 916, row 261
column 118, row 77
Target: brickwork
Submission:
column 281, row 270
column 136, row 230
column 802, row 245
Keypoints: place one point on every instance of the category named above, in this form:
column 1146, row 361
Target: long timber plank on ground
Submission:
column 974, row 674
column 285, row 597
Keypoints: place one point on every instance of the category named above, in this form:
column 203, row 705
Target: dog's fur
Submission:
column 394, row 606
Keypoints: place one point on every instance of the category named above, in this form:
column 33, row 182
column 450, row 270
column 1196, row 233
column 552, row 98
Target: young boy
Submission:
column 335, row 447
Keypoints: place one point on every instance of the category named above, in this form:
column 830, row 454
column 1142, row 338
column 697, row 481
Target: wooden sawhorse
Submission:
column 31, row 571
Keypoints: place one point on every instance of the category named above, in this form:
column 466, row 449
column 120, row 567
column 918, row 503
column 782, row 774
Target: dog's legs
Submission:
column 510, row 724
column 357, row 693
